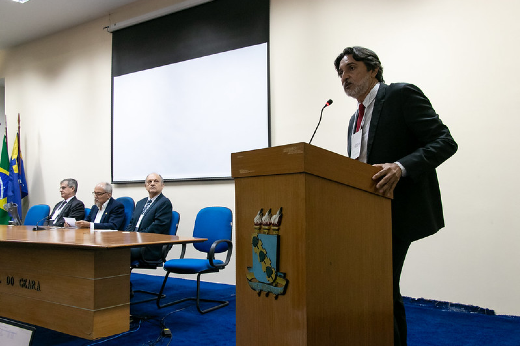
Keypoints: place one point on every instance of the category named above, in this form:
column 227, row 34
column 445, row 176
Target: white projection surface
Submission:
column 185, row 119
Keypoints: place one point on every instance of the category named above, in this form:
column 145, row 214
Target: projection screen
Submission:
column 184, row 118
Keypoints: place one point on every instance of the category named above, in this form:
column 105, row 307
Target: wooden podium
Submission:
column 335, row 249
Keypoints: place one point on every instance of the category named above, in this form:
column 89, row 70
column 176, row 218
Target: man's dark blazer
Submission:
column 405, row 128
column 74, row 208
column 157, row 219
column 113, row 217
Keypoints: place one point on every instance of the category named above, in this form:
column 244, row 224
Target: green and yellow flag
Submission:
column 4, row 181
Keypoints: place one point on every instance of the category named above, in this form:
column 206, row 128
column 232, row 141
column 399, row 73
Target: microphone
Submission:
column 329, row 102
column 12, row 209
column 38, row 228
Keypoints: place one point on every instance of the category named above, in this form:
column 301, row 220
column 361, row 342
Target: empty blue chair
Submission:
column 36, row 215
column 215, row 224
column 87, row 211
column 129, row 205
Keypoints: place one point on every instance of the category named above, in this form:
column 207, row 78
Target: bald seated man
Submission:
column 152, row 214
column 106, row 213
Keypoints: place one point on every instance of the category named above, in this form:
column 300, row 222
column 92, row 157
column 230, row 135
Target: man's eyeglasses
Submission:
column 98, row 194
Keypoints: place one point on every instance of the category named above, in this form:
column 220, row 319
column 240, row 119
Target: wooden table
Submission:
column 74, row 281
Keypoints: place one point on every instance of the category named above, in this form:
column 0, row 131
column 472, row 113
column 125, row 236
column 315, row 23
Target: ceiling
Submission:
column 21, row 23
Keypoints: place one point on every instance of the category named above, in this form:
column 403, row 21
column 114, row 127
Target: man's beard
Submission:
column 360, row 88
column 98, row 204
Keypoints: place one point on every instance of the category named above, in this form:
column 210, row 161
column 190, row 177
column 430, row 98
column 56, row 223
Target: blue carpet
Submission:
column 428, row 323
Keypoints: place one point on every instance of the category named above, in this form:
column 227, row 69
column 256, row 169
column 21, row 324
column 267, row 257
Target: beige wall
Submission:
column 460, row 54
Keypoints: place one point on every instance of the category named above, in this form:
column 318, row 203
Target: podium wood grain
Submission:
column 335, row 249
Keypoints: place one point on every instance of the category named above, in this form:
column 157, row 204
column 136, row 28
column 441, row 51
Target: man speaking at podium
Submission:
column 397, row 129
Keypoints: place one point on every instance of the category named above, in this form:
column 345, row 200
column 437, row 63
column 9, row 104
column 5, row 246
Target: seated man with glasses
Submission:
column 106, row 213
column 70, row 206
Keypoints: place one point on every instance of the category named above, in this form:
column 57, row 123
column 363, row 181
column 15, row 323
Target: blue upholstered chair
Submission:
column 87, row 211
column 129, row 205
column 144, row 264
column 215, row 224
column 36, row 215
column 176, row 218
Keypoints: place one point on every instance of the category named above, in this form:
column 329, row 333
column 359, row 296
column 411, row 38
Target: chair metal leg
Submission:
column 155, row 294
column 161, row 295
column 197, row 298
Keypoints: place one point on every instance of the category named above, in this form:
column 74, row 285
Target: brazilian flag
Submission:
column 4, row 182
column 17, row 187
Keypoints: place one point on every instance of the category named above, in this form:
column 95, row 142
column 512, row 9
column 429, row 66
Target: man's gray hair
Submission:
column 106, row 186
column 72, row 183
column 160, row 176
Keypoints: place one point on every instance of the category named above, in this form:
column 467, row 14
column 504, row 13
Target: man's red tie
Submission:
column 361, row 114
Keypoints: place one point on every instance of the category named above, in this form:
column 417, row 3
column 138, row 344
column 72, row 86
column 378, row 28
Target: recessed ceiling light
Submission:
column 21, row 1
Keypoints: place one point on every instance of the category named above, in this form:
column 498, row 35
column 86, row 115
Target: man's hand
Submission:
column 388, row 178
column 82, row 224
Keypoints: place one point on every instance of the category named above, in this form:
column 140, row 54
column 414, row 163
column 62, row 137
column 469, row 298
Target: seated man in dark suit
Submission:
column 70, row 206
column 152, row 214
column 106, row 213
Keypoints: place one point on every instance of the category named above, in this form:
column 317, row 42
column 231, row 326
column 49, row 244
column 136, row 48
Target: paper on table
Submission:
column 71, row 221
